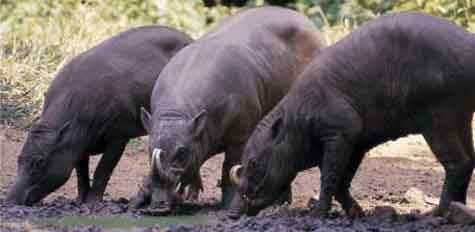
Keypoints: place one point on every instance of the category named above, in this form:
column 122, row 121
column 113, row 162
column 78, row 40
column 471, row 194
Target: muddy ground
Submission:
column 385, row 187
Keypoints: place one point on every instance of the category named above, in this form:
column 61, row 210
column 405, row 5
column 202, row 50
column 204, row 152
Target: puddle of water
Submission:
column 124, row 222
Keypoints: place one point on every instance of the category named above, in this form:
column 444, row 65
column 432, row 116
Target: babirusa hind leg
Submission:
column 446, row 132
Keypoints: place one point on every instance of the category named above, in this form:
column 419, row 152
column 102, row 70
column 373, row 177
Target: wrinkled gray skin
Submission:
column 212, row 93
column 397, row 75
column 93, row 107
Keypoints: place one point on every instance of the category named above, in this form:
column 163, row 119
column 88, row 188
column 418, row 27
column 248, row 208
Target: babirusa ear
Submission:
column 146, row 118
column 198, row 123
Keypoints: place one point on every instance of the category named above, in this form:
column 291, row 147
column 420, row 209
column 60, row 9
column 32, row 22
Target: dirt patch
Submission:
column 383, row 179
column 274, row 219
column 285, row 219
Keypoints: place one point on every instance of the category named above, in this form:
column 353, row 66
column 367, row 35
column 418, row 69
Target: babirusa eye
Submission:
column 181, row 154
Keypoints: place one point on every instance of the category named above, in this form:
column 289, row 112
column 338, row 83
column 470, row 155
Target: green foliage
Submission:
column 459, row 11
column 38, row 37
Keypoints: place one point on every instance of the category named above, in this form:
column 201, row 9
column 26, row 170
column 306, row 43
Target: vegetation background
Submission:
column 38, row 37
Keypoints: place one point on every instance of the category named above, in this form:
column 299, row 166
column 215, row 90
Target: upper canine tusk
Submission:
column 234, row 174
column 156, row 158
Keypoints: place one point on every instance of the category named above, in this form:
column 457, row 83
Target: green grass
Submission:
column 37, row 40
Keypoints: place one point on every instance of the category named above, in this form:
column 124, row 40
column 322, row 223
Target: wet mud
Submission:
column 384, row 219
column 63, row 214
column 382, row 186
column 58, row 214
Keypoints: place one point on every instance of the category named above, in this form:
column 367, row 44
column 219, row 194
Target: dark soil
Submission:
column 380, row 187
column 61, row 207
column 384, row 219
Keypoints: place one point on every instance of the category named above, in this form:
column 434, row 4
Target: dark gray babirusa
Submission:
column 397, row 75
column 212, row 93
column 93, row 107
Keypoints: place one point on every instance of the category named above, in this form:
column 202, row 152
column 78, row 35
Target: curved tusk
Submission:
column 156, row 163
column 234, row 174
column 178, row 187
